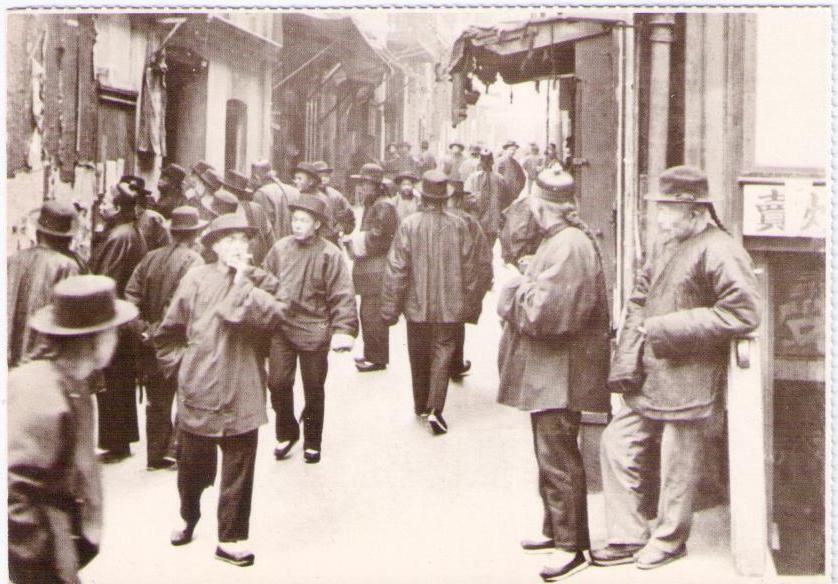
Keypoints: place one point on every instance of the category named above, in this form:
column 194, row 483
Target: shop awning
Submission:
column 196, row 32
column 523, row 50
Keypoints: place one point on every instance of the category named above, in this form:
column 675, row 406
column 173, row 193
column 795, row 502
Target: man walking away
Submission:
column 211, row 334
column 151, row 288
column 696, row 292
column 54, row 488
column 32, row 273
column 553, row 362
column 314, row 279
column 431, row 279
column 339, row 208
column 274, row 196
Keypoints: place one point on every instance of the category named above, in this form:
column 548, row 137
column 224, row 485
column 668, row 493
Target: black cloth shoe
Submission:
column 367, row 366
column 614, row 554
column 576, row 564
column 112, row 456
column 182, row 536
column 461, row 371
column 311, row 456
column 242, row 560
column 160, row 464
column 437, row 423
column 650, row 558
column 282, row 452
column 542, row 545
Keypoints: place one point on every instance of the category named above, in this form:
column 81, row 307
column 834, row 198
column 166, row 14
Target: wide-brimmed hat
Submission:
column 134, row 182
column 370, row 172
column 510, row 144
column 174, row 172
column 220, row 203
column 208, row 175
column 323, row 167
column 225, row 225
column 456, row 143
column 82, row 305
column 555, row 185
column 456, row 187
column 682, row 184
column 406, row 175
column 309, row 169
column 186, row 219
column 311, row 204
column 435, row 185
column 237, row 183
column 57, row 219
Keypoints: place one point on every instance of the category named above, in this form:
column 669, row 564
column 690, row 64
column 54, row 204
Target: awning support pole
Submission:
column 304, row 65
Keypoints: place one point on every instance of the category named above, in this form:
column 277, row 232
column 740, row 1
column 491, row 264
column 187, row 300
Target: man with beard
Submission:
column 339, row 207
column 406, row 199
column 170, row 187
column 274, row 196
column 369, row 246
column 116, row 257
column 32, row 273
column 151, row 288
column 256, row 216
column 486, row 188
column 553, row 362
column 314, row 279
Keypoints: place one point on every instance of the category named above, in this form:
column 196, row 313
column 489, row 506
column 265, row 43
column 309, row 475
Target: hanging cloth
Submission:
column 152, row 130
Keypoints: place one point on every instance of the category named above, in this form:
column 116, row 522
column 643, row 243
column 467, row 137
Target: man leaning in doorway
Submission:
column 696, row 292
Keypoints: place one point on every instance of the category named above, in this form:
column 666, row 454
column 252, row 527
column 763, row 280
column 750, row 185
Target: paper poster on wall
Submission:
column 793, row 208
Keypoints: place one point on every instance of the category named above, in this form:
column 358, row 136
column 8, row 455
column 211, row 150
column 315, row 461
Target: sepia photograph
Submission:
column 418, row 295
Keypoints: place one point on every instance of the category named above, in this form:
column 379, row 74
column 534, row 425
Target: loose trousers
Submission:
column 561, row 478
column 430, row 348
column 458, row 359
column 197, row 464
column 117, row 405
column 160, row 434
column 624, row 451
column 314, row 365
column 375, row 333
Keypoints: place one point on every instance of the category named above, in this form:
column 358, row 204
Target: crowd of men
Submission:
column 219, row 288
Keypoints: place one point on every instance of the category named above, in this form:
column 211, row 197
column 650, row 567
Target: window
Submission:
column 235, row 141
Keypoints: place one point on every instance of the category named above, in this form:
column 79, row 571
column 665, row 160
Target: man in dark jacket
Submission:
column 117, row 255
column 170, row 187
column 553, row 362
column 696, row 292
column 369, row 246
column 151, row 288
column 315, row 281
column 514, row 177
column 274, row 196
column 150, row 223
column 432, row 280
column 54, row 488
column 486, row 193
column 32, row 273
column 339, row 208
column 211, row 336
column 202, row 181
column 307, row 181
column 256, row 216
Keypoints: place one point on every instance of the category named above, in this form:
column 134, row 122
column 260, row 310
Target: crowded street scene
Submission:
column 452, row 295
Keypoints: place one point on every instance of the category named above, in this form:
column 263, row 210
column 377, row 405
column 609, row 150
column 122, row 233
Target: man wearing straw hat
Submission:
column 33, row 272
column 212, row 335
column 54, row 488
column 151, row 288
column 695, row 293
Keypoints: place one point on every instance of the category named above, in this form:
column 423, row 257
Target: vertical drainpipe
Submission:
column 661, row 38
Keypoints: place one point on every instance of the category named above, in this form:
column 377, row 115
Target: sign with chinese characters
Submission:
column 792, row 208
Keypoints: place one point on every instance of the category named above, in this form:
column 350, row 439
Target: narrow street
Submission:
column 388, row 503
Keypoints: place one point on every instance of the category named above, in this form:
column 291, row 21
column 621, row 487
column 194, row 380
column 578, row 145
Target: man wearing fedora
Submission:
column 307, row 181
column 486, row 190
column 696, row 291
column 369, row 246
column 553, row 363
column 513, row 174
column 431, row 279
column 211, row 338
column 406, row 198
column 274, row 196
column 339, row 207
column 150, row 223
column 116, row 257
column 170, row 187
column 238, row 184
column 451, row 163
column 54, row 487
column 32, row 273
column 202, row 181
column 314, row 279
column 151, row 288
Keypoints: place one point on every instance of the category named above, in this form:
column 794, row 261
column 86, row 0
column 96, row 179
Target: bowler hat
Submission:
column 220, row 203
column 137, row 183
column 208, row 175
column 555, row 185
column 323, row 167
column 185, row 218
column 435, row 185
column 510, row 144
column 309, row 169
column 237, row 183
column 456, row 143
column 174, row 172
column 225, row 225
column 370, row 172
column 406, row 175
column 681, row 184
column 82, row 305
column 57, row 219
column 311, row 204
